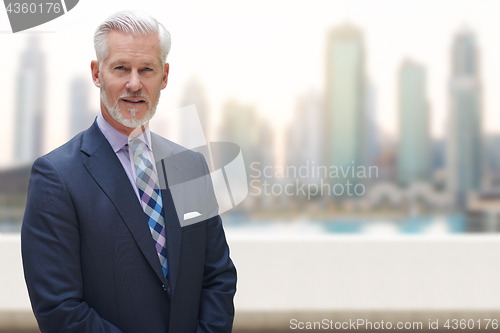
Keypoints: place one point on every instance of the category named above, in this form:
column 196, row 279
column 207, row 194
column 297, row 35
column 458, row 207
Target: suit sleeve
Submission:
column 216, row 312
column 50, row 244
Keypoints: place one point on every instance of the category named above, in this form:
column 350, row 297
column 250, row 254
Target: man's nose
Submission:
column 134, row 82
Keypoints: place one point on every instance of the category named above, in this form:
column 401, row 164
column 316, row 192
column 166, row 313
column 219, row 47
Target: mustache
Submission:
column 135, row 94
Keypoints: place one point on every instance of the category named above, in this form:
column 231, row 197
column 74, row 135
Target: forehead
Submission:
column 123, row 47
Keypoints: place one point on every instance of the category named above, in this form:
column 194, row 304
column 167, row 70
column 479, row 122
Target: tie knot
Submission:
column 136, row 147
column 135, row 144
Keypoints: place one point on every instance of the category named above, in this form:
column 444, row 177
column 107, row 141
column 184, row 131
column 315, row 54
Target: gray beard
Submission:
column 132, row 122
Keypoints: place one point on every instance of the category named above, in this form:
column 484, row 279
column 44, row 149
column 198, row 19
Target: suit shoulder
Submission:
column 81, row 145
column 68, row 157
column 65, row 152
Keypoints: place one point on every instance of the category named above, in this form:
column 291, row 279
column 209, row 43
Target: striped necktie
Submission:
column 151, row 200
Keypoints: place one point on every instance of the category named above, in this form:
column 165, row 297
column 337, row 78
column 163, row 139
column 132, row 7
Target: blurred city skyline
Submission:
column 82, row 101
column 267, row 60
column 310, row 107
column 335, row 124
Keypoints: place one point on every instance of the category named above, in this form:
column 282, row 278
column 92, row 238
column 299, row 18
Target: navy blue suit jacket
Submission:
column 89, row 258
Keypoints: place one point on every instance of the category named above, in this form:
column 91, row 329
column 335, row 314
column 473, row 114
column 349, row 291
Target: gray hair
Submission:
column 132, row 22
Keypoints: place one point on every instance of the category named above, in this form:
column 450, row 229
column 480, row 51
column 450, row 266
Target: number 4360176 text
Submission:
column 471, row 324
column 33, row 8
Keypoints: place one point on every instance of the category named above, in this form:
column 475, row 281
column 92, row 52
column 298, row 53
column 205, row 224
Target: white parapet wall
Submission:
column 342, row 278
column 15, row 310
column 284, row 280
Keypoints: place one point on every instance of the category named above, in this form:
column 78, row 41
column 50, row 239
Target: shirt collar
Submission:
column 118, row 140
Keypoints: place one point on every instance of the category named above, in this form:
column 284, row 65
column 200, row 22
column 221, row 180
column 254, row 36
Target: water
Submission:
column 239, row 222
column 454, row 224
column 10, row 227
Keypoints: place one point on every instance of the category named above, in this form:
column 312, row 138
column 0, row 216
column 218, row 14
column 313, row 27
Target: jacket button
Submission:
column 163, row 286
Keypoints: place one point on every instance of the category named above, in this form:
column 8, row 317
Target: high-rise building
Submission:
column 492, row 161
column 30, row 103
column 345, row 119
column 80, row 115
column 464, row 151
column 372, row 137
column 195, row 93
column 240, row 125
column 414, row 153
column 304, row 139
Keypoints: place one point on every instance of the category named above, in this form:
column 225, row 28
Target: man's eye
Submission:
column 119, row 67
column 147, row 69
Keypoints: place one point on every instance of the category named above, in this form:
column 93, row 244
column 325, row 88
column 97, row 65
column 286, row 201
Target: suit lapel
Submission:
column 106, row 169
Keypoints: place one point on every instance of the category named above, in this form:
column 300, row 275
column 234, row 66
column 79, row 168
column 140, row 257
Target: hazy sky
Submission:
column 266, row 53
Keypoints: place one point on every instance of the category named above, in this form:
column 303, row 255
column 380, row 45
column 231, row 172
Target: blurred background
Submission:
column 355, row 118
column 352, row 116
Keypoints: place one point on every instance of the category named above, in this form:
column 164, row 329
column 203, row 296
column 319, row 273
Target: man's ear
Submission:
column 164, row 80
column 94, row 67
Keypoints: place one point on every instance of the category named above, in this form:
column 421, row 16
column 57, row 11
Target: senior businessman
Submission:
column 103, row 246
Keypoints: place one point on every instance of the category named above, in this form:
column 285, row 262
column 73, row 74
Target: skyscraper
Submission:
column 304, row 137
column 345, row 120
column 414, row 142
column 195, row 93
column 240, row 125
column 80, row 115
column 30, row 104
column 372, row 137
column 464, row 153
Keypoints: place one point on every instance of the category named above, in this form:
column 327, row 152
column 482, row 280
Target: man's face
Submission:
column 131, row 79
